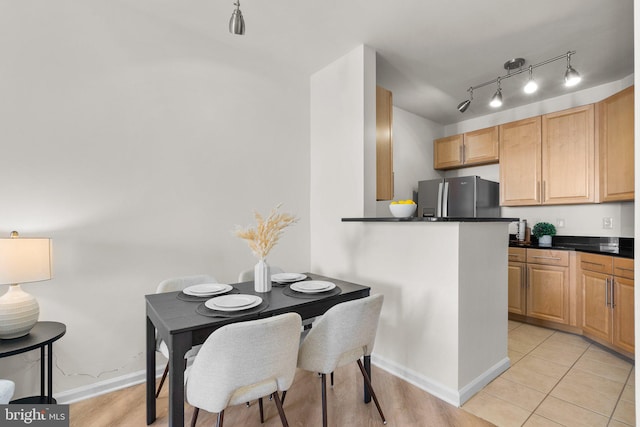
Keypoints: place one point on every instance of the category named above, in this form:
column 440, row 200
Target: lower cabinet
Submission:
column 607, row 300
column 585, row 293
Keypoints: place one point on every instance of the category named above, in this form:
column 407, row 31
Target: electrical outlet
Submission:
column 560, row 222
column 607, row 222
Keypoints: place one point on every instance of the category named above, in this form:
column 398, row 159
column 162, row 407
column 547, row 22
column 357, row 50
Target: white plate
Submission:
column 313, row 286
column 207, row 289
column 235, row 302
column 287, row 277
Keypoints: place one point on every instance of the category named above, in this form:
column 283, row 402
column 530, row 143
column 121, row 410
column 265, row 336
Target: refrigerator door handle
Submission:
column 439, row 208
column 445, row 200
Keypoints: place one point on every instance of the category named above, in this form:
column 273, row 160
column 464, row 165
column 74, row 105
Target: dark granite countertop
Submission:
column 427, row 219
column 615, row 246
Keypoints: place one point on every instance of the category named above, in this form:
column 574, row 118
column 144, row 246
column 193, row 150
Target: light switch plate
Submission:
column 607, row 222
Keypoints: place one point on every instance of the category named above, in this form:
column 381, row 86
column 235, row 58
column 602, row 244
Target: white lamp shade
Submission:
column 24, row 260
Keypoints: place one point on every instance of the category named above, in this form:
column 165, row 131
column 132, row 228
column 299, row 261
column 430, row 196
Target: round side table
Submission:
column 43, row 334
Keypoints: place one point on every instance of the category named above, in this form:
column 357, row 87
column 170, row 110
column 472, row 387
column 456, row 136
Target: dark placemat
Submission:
column 291, row 293
column 192, row 298
column 206, row 311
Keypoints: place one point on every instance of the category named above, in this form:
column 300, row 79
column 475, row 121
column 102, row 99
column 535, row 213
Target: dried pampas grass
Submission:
column 264, row 236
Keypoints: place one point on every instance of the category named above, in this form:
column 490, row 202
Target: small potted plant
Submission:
column 543, row 231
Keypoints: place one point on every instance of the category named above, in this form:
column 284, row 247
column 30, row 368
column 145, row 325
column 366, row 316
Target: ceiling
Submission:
column 429, row 51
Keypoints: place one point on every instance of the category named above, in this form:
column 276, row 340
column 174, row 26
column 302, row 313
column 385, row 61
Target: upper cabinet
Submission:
column 520, row 162
column 568, row 145
column 472, row 148
column 548, row 159
column 384, row 144
column 615, row 133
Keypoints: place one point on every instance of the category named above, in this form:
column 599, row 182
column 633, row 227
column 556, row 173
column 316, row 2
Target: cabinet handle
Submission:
column 548, row 257
column 624, row 269
column 593, row 263
column 606, row 292
column 613, row 295
column 538, row 192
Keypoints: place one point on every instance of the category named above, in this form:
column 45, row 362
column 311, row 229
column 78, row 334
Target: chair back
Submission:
column 244, row 361
column 179, row 283
column 345, row 333
column 247, row 275
column 7, row 388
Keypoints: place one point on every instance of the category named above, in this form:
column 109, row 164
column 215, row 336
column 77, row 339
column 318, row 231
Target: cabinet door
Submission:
column 384, row 144
column 596, row 314
column 520, row 162
column 616, row 137
column 568, row 156
column 548, row 292
column 623, row 318
column 447, row 152
column 517, row 290
column 481, row 147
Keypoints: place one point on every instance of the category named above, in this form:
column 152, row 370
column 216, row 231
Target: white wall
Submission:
column 137, row 146
column 412, row 155
column 580, row 220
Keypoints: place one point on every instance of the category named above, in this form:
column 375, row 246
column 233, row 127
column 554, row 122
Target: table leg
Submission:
column 178, row 346
column 42, row 373
column 151, row 371
column 50, row 373
column 367, row 368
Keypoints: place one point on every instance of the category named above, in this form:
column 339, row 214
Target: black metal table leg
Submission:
column 151, row 372
column 367, row 367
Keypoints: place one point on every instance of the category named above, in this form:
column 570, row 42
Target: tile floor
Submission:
column 557, row 379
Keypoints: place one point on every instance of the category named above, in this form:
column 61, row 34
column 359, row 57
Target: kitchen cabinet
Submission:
column 520, row 162
column 548, row 285
column 384, row 144
column 568, row 156
column 607, row 300
column 478, row 147
column 517, row 293
column 615, row 133
column 548, row 159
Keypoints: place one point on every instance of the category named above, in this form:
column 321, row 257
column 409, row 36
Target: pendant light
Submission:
column 496, row 99
column 531, row 85
column 571, row 76
column 236, row 23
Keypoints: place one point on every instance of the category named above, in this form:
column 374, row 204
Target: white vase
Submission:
column 262, row 277
column 544, row 240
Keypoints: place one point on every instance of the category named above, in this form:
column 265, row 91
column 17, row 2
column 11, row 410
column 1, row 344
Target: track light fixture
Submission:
column 571, row 78
column 236, row 23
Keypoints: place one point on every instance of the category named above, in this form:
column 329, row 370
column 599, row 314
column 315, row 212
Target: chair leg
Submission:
column 284, row 395
column 367, row 380
column 194, row 418
column 283, row 418
column 261, row 411
column 164, row 376
column 323, row 378
column 220, row 418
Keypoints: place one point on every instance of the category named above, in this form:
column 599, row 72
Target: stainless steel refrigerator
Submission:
column 461, row 197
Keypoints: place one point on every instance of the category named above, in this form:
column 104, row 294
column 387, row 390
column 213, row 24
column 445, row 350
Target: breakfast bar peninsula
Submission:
column 444, row 324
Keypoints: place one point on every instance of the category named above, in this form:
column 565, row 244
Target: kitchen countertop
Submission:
column 615, row 246
column 427, row 219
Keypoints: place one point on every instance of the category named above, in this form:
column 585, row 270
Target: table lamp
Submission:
column 22, row 260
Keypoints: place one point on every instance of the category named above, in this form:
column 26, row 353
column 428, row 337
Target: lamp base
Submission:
column 19, row 312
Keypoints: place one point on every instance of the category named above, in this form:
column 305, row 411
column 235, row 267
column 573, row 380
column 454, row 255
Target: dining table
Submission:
column 182, row 321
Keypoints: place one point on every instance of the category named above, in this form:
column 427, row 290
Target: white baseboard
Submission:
column 103, row 387
column 449, row 395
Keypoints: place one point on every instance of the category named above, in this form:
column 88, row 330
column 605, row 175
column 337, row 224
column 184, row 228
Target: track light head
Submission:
column 236, row 23
column 571, row 76
column 462, row 107
column 496, row 99
column 531, row 85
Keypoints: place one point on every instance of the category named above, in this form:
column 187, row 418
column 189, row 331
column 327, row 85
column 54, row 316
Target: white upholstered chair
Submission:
column 172, row 285
column 247, row 275
column 242, row 362
column 344, row 334
column 7, row 387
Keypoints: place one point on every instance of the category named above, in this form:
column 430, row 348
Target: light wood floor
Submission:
column 403, row 404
